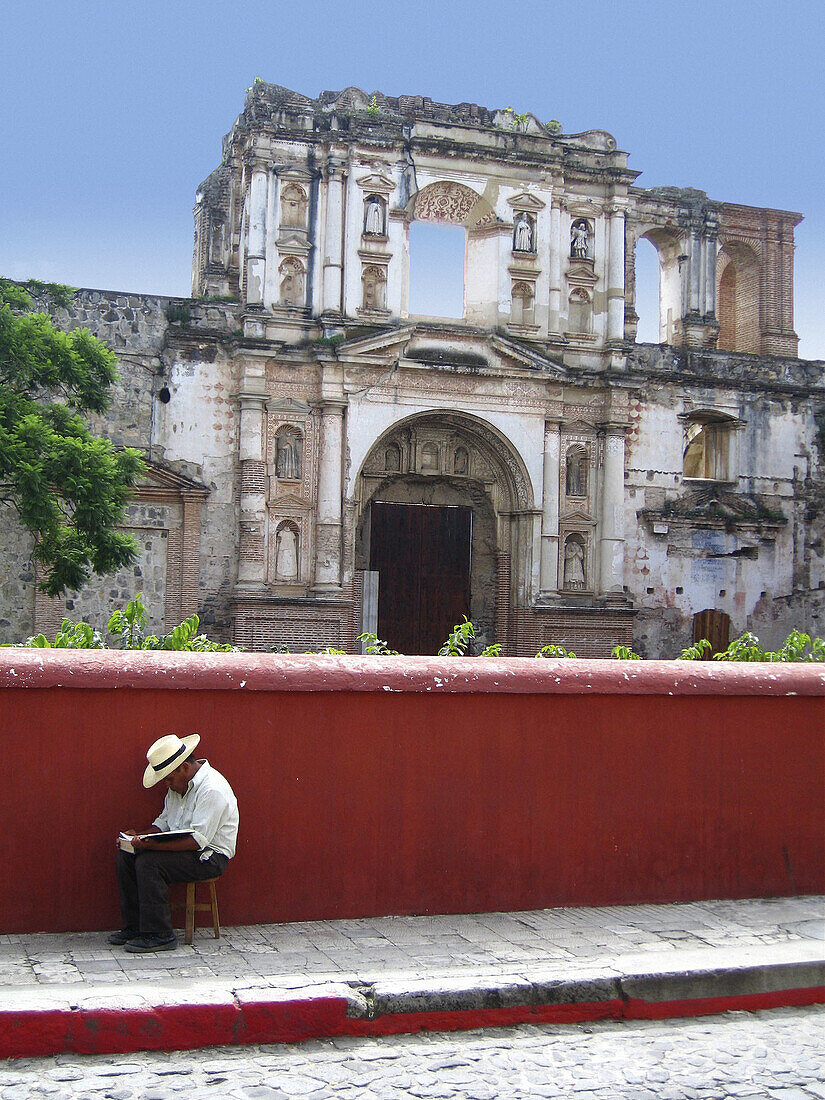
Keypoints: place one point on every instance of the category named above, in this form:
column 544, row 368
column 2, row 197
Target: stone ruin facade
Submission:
column 323, row 462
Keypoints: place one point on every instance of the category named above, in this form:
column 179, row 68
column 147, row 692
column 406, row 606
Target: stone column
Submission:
column 711, row 242
column 333, row 280
column 328, row 515
column 256, row 236
column 611, row 535
column 554, row 318
column 251, row 556
column 695, row 271
column 550, row 509
column 615, row 275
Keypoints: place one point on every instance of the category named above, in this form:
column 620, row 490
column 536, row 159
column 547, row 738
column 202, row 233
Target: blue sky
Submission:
column 112, row 113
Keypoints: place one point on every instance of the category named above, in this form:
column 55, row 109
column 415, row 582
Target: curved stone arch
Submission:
column 496, row 486
column 451, row 203
column 515, row 491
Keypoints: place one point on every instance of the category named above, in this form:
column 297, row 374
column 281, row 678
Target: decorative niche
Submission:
column 526, row 208
column 574, row 563
column 377, row 190
column 373, row 289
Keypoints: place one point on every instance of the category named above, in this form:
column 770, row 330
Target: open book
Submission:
column 124, row 840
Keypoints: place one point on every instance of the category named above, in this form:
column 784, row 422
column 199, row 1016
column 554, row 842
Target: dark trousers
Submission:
column 144, row 877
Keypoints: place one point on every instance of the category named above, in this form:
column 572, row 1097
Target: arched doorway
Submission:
column 442, row 500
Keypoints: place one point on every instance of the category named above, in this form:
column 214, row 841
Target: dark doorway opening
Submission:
column 422, row 556
column 715, row 626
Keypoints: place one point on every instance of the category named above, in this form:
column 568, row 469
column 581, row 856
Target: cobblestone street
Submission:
column 771, row 1055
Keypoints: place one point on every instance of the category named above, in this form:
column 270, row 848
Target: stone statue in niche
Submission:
column 286, row 554
column 461, row 463
column 573, row 564
column 374, row 217
column 288, row 459
column 576, row 476
column 292, row 283
column 580, row 240
column 392, row 459
column 523, row 241
column 294, row 206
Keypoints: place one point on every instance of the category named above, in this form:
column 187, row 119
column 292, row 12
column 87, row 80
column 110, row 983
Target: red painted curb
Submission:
column 36, row 1032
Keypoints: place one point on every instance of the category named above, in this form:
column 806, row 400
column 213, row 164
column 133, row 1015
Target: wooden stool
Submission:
column 191, row 904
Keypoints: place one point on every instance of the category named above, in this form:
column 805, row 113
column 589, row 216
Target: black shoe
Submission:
column 123, row 936
column 139, row 944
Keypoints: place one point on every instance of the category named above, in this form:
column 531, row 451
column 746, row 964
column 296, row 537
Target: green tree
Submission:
column 68, row 487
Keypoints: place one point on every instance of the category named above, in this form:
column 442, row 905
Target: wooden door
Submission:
column 422, row 555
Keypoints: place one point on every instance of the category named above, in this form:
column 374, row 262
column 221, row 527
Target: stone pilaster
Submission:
column 615, row 274
column 328, row 515
column 333, row 274
column 611, row 533
column 251, row 551
column 554, row 318
column 550, row 509
column 256, row 235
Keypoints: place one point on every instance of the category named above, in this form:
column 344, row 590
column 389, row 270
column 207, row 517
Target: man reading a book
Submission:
column 193, row 838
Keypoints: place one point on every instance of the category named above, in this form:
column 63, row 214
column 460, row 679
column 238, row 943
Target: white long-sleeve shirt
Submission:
column 208, row 808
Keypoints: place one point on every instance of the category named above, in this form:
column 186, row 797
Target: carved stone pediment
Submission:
column 288, row 407
column 288, row 502
column 293, row 243
column 380, row 184
column 578, row 427
column 578, row 209
column 526, row 201
column 581, row 272
column 576, row 518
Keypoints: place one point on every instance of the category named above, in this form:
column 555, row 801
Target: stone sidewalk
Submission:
column 404, row 973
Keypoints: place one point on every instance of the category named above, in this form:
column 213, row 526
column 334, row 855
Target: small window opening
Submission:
column 437, row 270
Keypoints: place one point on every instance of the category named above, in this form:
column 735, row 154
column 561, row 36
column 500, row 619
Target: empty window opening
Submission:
column 437, row 270
column 648, row 271
column 707, row 453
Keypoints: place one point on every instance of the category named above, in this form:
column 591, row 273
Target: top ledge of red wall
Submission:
column 108, row 669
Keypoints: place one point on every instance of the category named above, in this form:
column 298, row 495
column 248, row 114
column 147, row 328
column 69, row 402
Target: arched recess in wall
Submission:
column 738, row 298
column 444, row 220
column 648, row 273
column 458, row 464
column 663, row 317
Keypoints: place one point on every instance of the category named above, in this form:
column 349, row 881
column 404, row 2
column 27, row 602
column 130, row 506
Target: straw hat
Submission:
column 165, row 755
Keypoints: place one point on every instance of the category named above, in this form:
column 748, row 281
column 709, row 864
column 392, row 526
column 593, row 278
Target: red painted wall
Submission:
column 376, row 785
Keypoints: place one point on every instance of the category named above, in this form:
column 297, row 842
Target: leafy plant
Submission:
column 375, row 647
column 374, row 110
column 624, row 653
column 696, row 652
column 71, row 635
column 553, row 126
column 517, row 122
column 129, row 623
column 458, row 639
column 555, row 651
